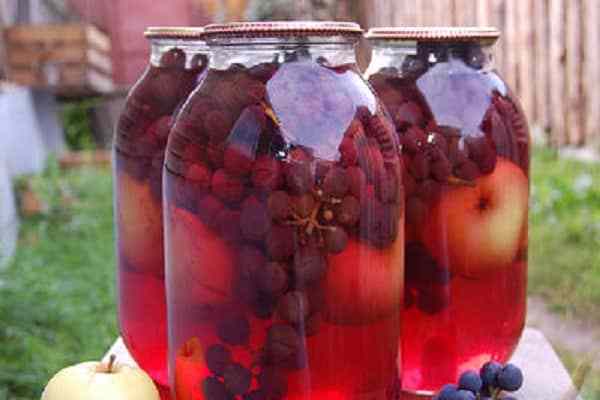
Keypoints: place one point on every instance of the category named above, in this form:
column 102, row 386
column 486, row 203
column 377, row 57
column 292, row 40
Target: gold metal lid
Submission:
column 174, row 32
column 283, row 28
column 435, row 34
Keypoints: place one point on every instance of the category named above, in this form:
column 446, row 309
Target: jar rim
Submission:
column 435, row 34
column 174, row 32
column 283, row 29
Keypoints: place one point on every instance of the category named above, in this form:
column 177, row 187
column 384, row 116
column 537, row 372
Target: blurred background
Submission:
column 65, row 68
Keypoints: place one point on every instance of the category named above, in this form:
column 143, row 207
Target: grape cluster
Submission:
column 490, row 383
column 282, row 205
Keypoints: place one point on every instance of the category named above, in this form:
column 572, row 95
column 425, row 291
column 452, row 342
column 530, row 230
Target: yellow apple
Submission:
column 100, row 381
column 139, row 225
column 473, row 230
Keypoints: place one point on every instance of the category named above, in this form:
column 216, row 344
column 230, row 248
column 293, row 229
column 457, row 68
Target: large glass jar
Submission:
column 284, row 222
column 465, row 147
column 178, row 59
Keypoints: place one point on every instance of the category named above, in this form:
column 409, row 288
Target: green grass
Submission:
column 564, row 237
column 585, row 378
column 57, row 299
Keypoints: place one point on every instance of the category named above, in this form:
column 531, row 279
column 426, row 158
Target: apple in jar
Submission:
column 363, row 283
column 476, row 229
column 200, row 262
column 140, row 229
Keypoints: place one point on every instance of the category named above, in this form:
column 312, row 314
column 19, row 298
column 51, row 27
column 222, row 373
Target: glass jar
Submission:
column 465, row 145
column 178, row 59
column 284, row 222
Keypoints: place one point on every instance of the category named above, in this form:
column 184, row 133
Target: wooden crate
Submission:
column 71, row 59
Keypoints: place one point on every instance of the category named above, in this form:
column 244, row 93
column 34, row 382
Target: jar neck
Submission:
column 250, row 52
column 193, row 49
column 414, row 55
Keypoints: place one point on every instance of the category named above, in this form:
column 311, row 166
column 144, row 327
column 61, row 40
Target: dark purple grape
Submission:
column 234, row 330
column 470, row 380
column 227, row 187
column 237, row 378
column 489, row 374
column 336, row 240
column 209, row 208
column 278, row 205
column 272, row 279
column 464, row 395
column 280, row 242
column 447, row 392
column 419, row 166
column 467, row 170
column 510, row 378
column 273, row 383
column 229, row 225
column 299, row 178
column 309, row 265
column 413, row 140
column 266, row 174
column 429, row 190
column 284, row 347
column 255, row 395
column 251, row 259
column 303, row 205
column 348, row 211
column 336, row 183
column 263, row 306
column 214, row 389
column 293, row 307
column 441, row 169
column 174, row 58
column 217, row 358
column 254, row 219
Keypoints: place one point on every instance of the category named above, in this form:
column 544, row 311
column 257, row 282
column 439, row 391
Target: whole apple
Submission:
column 100, row 381
column 476, row 230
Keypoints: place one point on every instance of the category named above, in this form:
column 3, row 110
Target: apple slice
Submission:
column 200, row 264
column 364, row 284
column 473, row 230
column 190, row 368
column 139, row 225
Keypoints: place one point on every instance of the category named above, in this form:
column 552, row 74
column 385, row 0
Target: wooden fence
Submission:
column 549, row 54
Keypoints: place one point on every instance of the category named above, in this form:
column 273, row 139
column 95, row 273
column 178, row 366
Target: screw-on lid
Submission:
column 174, row 32
column 283, row 28
column 435, row 34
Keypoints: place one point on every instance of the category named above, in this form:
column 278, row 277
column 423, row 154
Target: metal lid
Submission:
column 283, row 28
column 435, row 34
column 174, row 32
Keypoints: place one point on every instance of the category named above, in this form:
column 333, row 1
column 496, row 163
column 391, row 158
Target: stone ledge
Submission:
column 545, row 376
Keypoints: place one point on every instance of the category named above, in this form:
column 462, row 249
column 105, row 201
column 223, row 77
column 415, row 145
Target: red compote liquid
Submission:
column 284, row 222
column 178, row 59
column 465, row 145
